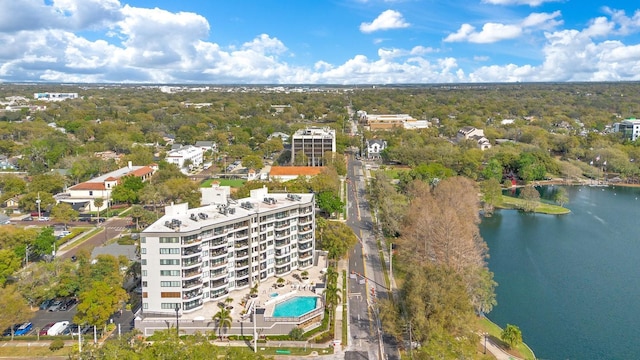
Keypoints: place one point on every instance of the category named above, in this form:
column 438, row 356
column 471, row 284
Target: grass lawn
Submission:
column 522, row 351
column 34, row 352
column 234, row 183
column 294, row 351
column 509, row 202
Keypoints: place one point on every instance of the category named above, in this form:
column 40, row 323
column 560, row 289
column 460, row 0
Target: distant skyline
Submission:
column 319, row 41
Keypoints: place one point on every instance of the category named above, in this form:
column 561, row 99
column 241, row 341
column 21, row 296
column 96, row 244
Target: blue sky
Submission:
column 319, row 41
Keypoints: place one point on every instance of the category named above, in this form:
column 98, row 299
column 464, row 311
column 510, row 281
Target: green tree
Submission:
column 223, row 319
column 511, row 335
column 252, row 162
column 332, row 297
column 64, row 213
column 137, row 212
column 98, row 203
column 9, row 264
column 43, row 243
column 296, row 334
column 335, row 237
column 493, row 170
column 98, row 302
column 29, row 203
column 329, row 202
column 531, row 198
column 301, row 159
column 14, row 307
column 491, row 195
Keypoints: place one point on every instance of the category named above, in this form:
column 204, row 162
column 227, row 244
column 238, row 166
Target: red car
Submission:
column 43, row 331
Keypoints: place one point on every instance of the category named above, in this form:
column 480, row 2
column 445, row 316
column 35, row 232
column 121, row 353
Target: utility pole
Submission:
column 255, row 330
column 390, row 266
column 177, row 324
column 38, row 203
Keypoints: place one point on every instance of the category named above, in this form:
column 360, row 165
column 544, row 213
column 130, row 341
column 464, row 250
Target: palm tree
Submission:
column 331, row 297
column 332, row 275
column 98, row 202
column 223, row 319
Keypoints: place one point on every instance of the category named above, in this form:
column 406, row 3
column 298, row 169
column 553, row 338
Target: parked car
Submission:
column 68, row 304
column 45, row 304
column 45, row 329
column 27, row 218
column 55, row 306
column 24, row 329
column 11, row 329
column 44, row 218
column 57, row 328
column 72, row 329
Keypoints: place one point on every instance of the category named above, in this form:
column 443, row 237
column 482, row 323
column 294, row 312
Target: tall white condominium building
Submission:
column 191, row 154
column 314, row 142
column 193, row 256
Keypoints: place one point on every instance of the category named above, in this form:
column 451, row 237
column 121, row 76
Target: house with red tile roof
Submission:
column 82, row 195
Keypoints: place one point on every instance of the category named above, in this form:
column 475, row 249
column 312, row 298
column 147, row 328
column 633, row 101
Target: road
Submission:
column 112, row 228
column 365, row 329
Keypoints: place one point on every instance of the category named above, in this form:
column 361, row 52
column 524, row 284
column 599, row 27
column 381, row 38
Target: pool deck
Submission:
column 292, row 287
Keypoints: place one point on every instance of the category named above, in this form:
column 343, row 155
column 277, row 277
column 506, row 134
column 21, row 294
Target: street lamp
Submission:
column 177, row 324
column 38, row 203
column 485, row 342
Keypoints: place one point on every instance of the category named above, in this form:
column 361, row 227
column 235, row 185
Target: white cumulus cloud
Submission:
column 388, row 19
column 518, row 2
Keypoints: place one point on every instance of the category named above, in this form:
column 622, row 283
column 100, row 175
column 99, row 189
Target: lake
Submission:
column 571, row 282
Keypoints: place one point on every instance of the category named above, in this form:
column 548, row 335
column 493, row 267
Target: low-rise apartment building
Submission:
column 194, row 256
column 186, row 157
column 312, row 143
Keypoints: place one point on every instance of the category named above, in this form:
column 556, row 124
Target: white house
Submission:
column 374, row 147
column 207, row 146
column 477, row 135
column 82, row 195
column 191, row 155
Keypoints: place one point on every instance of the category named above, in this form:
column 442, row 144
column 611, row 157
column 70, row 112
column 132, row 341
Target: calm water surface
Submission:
column 571, row 282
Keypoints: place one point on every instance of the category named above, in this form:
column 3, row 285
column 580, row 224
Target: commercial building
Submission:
column 194, row 256
column 313, row 142
column 630, row 129
column 391, row 121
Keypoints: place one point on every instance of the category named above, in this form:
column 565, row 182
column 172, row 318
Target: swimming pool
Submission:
column 295, row 307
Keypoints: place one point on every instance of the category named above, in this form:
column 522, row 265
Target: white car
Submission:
column 43, row 218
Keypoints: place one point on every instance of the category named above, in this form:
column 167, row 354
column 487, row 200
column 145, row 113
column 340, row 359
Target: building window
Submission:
column 145, row 306
column 165, row 251
column 169, row 283
column 169, row 306
column 144, row 261
column 143, row 240
column 143, row 250
column 169, row 294
column 90, row 193
column 144, row 284
column 144, row 272
column 169, row 261
column 169, row 240
column 169, row 272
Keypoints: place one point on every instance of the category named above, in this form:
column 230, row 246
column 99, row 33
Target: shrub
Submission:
column 56, row 344
column 296, row 334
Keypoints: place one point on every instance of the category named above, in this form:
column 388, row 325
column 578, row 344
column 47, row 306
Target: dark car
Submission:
column 68, row 304
column 27, row 218
column 55, row 306
column 45, row 304
column 11, row 329
column 72, row 329
column 43, row 331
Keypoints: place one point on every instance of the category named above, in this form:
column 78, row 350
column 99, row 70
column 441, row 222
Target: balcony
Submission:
column 305, row 238
column 191, row 294
column 282, row 224
column 191, row 273
column 241, row 244
column 283, row 262
column 191, row 250
column 218, row 253
column 218, row 242
column 216, row 274
column 280, row 254
column 283, row 270
column 217, row 284
column 240, row 255
column 282, row 234
column 218, row 294
column 197, row 260
column 242, row 235
column 192, row 304
column 191, row 283
column 188, row 240
column 282, row 215
column 305, row 255
column 242, row 283
column 304, row 229
column 305, row 264
column 304, row 247
column 282, row 243
column 305, row 220
column 218, row 263
column 242, row 274
column 242, row 264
